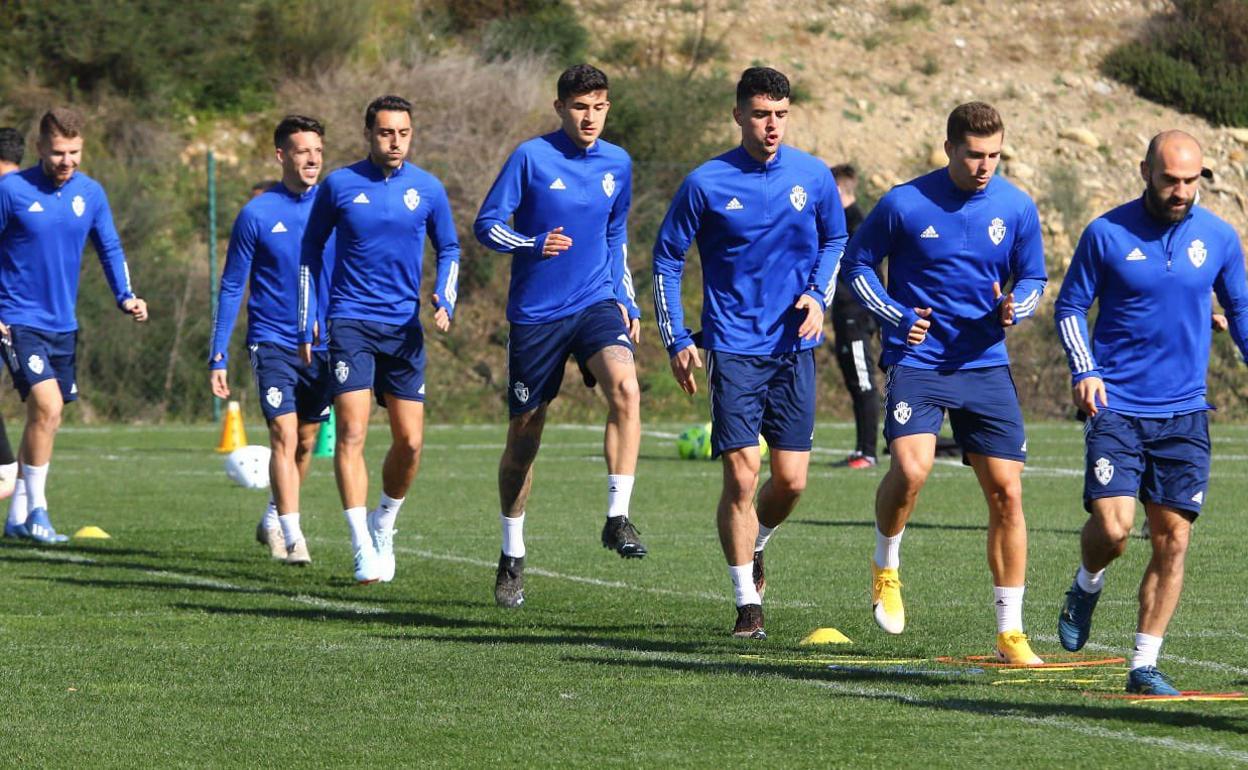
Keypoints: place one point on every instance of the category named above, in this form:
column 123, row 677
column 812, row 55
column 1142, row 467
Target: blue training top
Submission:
column 945, row 249
column 766, row 233
column 1152, row 281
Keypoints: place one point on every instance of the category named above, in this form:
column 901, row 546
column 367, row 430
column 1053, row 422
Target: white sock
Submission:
column 357, row 522
column 513, row 535
column 1009, row 603
column 19, row 506
column 269, row 520
column 743, row 584
column 888, row 549
column 1147, row 648
column 1090, row 581
column 764, row 534
column 290, row 528
column 388, row 511
column 619, row 493
column 36, row 483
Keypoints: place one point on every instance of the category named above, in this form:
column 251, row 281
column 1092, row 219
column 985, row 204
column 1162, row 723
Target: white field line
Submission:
column 1209, row 664
column 66, row 556
column 315, row 601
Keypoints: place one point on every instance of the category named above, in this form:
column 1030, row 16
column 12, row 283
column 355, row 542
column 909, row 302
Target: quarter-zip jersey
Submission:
column 1152, row 282
column 945, row 249
column 767, row 233
column 43, row 230
column 550, row 182
column 381, row 223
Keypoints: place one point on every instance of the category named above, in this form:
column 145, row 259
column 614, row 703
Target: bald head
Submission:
column 1171, row 170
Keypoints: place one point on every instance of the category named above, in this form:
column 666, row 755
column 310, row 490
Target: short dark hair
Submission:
column 844, row 171
column 294, row 124
column 973, row 119
column 61, row 120
column 389, row 103
column 12, row 145
column 762, row 81
column 580, row 79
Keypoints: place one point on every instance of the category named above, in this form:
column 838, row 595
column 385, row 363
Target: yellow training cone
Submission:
column 232, row 434
column 826, row 636
column 92, row 532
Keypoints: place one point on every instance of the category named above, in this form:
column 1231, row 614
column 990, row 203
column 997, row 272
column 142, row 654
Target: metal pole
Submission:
column 212, row 255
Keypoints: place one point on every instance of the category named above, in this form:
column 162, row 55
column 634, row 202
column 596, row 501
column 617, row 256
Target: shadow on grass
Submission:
column 868, row 522
column 320, row 614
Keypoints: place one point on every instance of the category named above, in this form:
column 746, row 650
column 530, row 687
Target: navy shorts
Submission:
column 35, row 355
column 366, row 355
column 769, row 395
column 537, row 353
column 1164, row 460
column 286, row 385
column 982, row 404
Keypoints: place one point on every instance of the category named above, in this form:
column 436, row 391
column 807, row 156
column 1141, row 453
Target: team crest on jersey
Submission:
column 996, row 231
column 1104, row 470
column 342, row 371
column 902, row 412
column 797, row 196
column 79, row 205
column 522, row 392
column 35, row 364
column 411, row 199
column 608, row 184
column 274, row 397
column 1197, row 253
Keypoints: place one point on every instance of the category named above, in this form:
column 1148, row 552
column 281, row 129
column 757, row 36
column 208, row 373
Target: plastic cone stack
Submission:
column 232, row 434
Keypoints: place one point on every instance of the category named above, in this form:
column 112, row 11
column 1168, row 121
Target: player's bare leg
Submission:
column 912, row 459
column 407, row 434
column 1163, row 578
column 515, row 480
column 352, row 410
column 616, row 372
column 737, row 520
column 289, row 461
column 776, row 500
column 44, row 407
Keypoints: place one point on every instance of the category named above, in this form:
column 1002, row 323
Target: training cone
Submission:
column 826, row 636
column 232, row 434
column 92, row 532
column 325, row 437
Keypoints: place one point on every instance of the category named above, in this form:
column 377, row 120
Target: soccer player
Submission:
column 953, row 238
column 567, row 195
column 382, row 207
column 47, row 213
column 264, row 252
column 12, row 148
column 770, row 230
column 1149, row 265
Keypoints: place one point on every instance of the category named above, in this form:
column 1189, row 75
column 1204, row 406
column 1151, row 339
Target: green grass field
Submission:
column 178, row 642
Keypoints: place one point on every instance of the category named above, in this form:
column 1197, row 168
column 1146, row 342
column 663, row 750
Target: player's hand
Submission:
column 4, row 332
column 137, row 308
column 316, row 332
column 1088, row 393
column 632, row 324
column 1219, row 322
column 812, row 327
column 220, row 384
column 556, row 242
column 305, row 353
column 441, row 317
column 918, row 332
column 683, row 364
column 1005, row 305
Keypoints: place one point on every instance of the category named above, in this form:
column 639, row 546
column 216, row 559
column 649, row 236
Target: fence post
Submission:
column 212, row 256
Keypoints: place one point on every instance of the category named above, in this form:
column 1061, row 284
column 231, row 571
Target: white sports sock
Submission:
column 1147, row 648
column 888, row 549
column 1090, row 581
column 290, row 528
column 513, row 535
column 357, row 522
column 36, row 483
column 743, row 584
column 269, row 520
column 388, row 511
column 619, row 493
column 764, row 534
column 1009, row 604
column 19, row 504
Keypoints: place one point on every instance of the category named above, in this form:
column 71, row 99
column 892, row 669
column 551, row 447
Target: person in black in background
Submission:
column 12, row 147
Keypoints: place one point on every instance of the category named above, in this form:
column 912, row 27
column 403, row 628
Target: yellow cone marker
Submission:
column 826, row 636
column 92, row 532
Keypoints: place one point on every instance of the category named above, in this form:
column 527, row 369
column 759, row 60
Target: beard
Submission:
column 1160, row 205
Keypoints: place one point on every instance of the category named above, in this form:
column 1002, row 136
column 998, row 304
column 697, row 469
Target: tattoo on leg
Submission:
column 618, row 353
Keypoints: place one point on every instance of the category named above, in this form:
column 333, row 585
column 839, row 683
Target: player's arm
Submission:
column 321, row 223
column 445, row 242
column 870, row 245
column 113, row 259
column 1070, row 312
column 1232, row 293
column 676, row 234
column 500, row 204
column 821, row 283
column 617, row 253
column 1027, row 269
column 238, row 258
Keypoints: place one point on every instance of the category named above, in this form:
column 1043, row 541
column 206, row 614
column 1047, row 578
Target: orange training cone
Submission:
column 232, row 434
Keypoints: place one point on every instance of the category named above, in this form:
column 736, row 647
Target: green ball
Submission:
column 694, row 443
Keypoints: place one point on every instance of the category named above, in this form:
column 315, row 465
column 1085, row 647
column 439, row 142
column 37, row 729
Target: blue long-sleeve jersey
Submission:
column 43, row 230
column 550, row 182
column 381, row 226
column 265, row 245
column 766, row 233
column 1151, row 281
column 945, row 249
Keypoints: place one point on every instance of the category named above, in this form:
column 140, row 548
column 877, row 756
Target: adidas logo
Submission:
column 278, row 228
column 361, row 198
column 1136, row 255
column 623, row 338
column 1199, row 497
column 558, row 184
column 35, row 207
column 734, row 205
column 930, row 232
